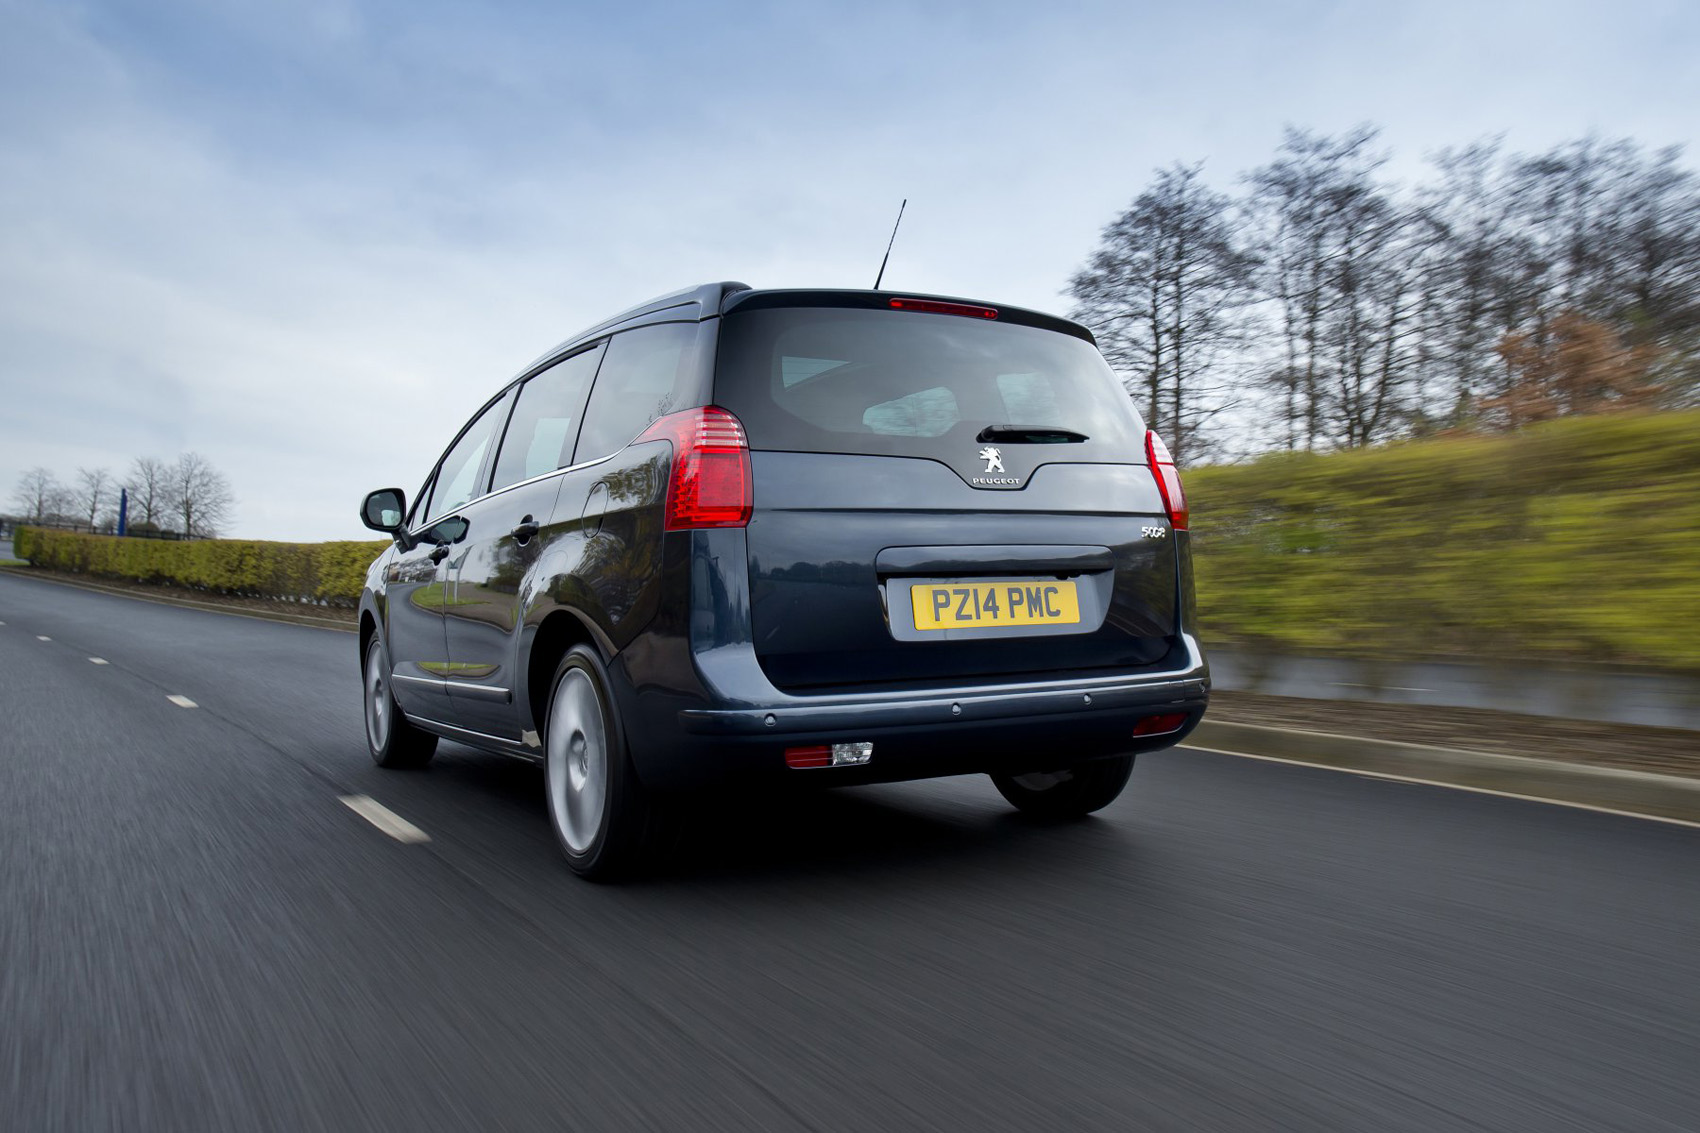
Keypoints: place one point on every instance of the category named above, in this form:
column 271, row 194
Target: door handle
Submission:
column 525, row 529
column 438, row 553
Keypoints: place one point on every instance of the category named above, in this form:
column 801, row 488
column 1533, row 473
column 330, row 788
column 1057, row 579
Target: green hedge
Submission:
column 327, row 572
column 1575, row 540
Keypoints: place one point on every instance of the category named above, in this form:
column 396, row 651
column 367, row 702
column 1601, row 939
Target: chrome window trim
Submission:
column 541, row 476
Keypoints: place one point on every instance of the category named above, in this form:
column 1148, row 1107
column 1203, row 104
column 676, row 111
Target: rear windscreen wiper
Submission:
column 1030, row 435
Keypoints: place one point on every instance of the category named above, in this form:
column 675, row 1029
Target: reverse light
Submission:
column 1168, row 480
column 710, row 482
column 936, row 307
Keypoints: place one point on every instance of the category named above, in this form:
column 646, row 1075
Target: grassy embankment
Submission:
column 1578, row 540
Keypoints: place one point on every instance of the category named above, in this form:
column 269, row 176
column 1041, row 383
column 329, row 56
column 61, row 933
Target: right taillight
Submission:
column 710, row 482
column 1168, row 479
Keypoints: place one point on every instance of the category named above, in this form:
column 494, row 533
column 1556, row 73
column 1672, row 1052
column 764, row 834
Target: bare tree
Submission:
column 92, row 490
column 199, row 495
column 148, row 483
column 38, row 494
column 1339, row 256
column 1166, row 293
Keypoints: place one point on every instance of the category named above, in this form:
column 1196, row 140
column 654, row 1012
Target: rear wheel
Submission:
column 603, row 819
column 391, row 738
column 1070, row 792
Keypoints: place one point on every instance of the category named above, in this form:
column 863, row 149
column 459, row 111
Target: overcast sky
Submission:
column 306, row 239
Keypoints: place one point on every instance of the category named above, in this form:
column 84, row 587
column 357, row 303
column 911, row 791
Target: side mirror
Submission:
column 384, row 510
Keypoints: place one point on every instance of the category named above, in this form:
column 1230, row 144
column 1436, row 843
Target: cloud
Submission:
column 308, row 240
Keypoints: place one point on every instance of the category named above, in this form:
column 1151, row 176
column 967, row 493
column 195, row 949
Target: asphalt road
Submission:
column 195, row 933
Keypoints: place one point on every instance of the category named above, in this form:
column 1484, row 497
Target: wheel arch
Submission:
column 555, row 635
column 368, row 630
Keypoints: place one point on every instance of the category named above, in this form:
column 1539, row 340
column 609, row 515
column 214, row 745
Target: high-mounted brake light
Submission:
column 710, row 482
column 934, row 307
column 1168, row 480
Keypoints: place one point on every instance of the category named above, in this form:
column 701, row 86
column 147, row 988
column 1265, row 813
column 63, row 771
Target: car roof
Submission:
column 709, row 300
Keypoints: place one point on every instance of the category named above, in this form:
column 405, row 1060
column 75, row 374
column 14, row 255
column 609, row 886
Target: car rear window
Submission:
column 822, row 379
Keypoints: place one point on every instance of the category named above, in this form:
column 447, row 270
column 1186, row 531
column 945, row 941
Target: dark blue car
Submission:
column 826, row 537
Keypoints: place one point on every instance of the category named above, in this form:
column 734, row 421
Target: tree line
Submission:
column 187, row 497
column 1324, row 306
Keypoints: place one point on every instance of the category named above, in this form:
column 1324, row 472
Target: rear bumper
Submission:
column 949, row 709
column 742, row 732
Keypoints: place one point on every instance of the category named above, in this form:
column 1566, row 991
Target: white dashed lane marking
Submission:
column 384, row 818
column 99, row 661
column 42, row 637
column 182, row 701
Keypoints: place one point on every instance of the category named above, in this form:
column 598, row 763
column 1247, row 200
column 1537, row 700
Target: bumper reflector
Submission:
column 1158, row 725
column 829, row 755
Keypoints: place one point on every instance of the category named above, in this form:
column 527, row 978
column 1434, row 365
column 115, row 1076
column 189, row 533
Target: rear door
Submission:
column 507, row 531
column 942, row 492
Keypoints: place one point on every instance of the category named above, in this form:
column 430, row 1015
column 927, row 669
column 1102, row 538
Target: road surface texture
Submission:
column 197, row 933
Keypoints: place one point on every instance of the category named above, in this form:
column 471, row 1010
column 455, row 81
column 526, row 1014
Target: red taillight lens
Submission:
column 934, row 307
column 1160, row 725
column 815, row 755
column 1168, row 479
column 710, row 482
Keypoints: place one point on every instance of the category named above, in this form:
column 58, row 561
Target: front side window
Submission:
column 546, row 420
column 647, row 373
column 457, row 478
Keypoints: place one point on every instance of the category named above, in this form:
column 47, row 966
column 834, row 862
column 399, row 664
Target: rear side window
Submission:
column 546, row 420
column 812, row 379
column 647, row 373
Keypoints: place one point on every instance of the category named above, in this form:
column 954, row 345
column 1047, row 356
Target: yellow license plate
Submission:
column 983, row 605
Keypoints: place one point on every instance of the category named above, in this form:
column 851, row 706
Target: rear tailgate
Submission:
column 942, row 497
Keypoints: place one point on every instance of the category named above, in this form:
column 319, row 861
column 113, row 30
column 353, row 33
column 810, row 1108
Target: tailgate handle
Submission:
column 1002, row 558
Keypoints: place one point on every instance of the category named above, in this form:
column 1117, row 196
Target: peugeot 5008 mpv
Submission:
column 830, row 537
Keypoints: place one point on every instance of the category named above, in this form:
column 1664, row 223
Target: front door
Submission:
column 414, row 634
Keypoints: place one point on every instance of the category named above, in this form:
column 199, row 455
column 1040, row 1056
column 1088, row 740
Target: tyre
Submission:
column 393, row 741
column 1070, row 792
column 606, row 823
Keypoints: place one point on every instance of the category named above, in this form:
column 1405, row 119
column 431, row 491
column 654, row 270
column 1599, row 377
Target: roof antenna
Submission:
column 890, row 242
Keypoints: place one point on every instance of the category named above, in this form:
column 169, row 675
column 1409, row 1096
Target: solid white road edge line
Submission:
column 99, row 661
column 384, row 818
column 182, row 701
column 1450, row 786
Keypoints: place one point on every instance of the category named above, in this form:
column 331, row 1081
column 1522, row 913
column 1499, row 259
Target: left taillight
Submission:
column 1168, row 480
column 710, row 482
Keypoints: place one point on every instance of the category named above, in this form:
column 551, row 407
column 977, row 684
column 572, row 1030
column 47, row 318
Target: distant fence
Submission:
column 332, row 573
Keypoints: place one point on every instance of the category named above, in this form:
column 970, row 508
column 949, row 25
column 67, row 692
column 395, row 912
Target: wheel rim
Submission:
column 577, row 746
column 377, row 700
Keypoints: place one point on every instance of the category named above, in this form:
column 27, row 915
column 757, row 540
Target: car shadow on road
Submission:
column 729, row 837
